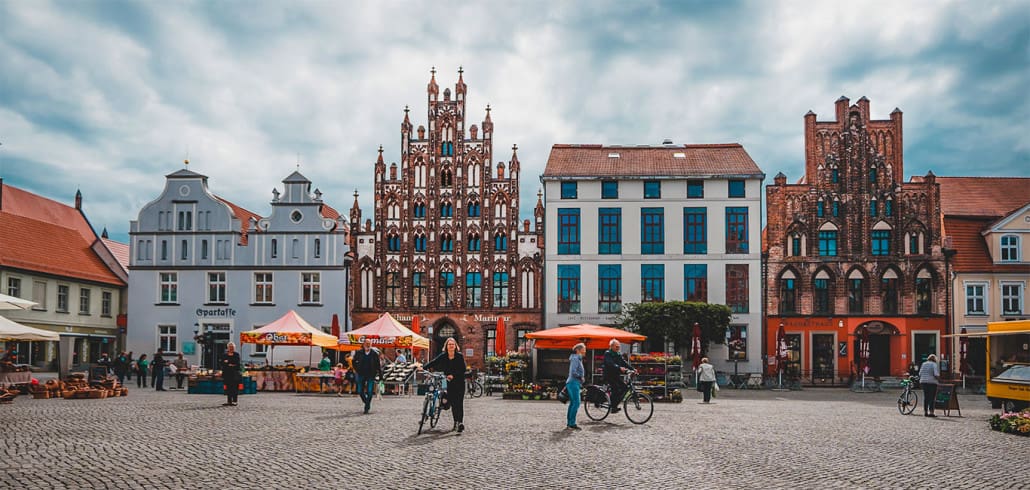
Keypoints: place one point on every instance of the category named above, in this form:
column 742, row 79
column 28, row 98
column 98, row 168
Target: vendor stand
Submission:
column 388, row 333
column 291, row 329
column 595, row 337
column 11, row 374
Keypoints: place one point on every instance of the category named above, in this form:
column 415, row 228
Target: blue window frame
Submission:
column 568, row 289
column 888, row 207
column 820, row 208
column 835, row 176
column 695, row 230
column 474, row 289
column 420, row 243
column 872, row 208
column 500, row 242
column 652, row 189
column 736, row 188
column 419, row 211
column 447, row 210
column 474, row 243
column 795, row 245
column 695, row 189
column 473, row 209
column 500, row 286
column 568, row 231
column 652, row 230
column 609, row 230
column 652, row 283
column 881, row 242
column 695, row 282
column 446, row 243
column 446, row 289
column 393, row 243
column 569, row 190
column 828, row 243
column 835, row 207
column 872, row 174
column 609, row 189
column 736, row 231
column 609, row 288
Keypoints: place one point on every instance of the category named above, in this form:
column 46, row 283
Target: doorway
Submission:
column 216, row 339
column 879, row 355
column 444, row 329
column 823, row 355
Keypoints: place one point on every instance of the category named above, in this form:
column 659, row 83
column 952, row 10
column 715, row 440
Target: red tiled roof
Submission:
column 973, row 254
column 42, row 235
column 650, row 161
column 983, row 196
column 327, row 211
column 119, row 250
column 243, row 215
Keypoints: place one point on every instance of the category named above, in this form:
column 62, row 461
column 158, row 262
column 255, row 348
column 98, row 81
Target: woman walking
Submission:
column 705, row 379
column 231, row 374
column 574, row 383
column 141, row 371
column 452, row 364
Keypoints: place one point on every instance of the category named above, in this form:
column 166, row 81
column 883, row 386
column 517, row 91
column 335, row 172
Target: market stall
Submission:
column 388, row 333
column 11, row 374
column 549, row 375
column 291, row 329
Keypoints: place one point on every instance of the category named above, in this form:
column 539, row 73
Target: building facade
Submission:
column 632, row 224
column 854, row 252
column 204, row 269
column 50, row 254
column 987, row 222
column 444, row 243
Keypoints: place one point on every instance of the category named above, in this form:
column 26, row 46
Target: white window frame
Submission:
column 167, row 338
column 1019, row 297
column 217, row 278
column 87, row 295
column 106, row 298
column 1015, row 249
column 14, row 290
column 316, row 297
column 269, row 288
column 67, row 298
column 985, row 299
column 173, row 285
column 40, row 299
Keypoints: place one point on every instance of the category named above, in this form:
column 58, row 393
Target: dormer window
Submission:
column 1009, row 248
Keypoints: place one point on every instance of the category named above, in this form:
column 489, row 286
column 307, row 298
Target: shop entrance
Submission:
column 215, row 340
column 823, row 355
column 879, row 355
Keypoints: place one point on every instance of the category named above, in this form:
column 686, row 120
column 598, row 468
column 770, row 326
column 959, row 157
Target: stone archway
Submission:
column 879, row 334
column 443, row 329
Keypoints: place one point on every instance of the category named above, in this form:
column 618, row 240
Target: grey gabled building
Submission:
column 203, row 265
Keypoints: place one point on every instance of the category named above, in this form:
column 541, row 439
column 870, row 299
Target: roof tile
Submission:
column 649, row 161
column 983, row 196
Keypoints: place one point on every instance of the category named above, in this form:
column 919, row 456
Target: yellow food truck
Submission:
column 1008, row 364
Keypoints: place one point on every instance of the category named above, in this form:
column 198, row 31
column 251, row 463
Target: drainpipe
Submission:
column 948, row 329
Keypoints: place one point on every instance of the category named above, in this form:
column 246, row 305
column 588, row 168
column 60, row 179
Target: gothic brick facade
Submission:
column 444, row 243
column 854, row 250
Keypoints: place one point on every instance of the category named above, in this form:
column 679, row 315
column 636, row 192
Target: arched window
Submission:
column 473, row 174
column 788, row 293
column 419, row 210
column 446, row 178
column 500, row 209
column 474, row 243
column 393, row 243
column 420, row 174
column 880, row 239
column 889, row 289
column 500, row 242
column 447, row 210
column 447, row 243
column 473, row 209
column 822, row 299
column 828, row 240
column 420, row 243
column 836, row 207
column 856, row 298
column 924, row 292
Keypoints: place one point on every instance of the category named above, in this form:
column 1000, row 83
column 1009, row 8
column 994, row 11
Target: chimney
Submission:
column 525, row 226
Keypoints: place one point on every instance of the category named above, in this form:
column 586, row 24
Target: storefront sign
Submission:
column 807, row 322
column 488, row 318
column 277, row 338
column 216, row 312
column 842, row 349
column 399, row 342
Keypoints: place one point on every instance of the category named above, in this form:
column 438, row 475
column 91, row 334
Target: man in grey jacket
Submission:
column 575, row 381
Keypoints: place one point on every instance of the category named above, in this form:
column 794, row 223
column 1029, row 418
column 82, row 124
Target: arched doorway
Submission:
column 441, row 331
column 879, row 334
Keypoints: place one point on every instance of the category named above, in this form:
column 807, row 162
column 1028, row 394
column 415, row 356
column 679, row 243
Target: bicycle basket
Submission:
column 594, row 394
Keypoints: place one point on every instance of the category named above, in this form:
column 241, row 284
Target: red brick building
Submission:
column 444, row 242
column 852, row 251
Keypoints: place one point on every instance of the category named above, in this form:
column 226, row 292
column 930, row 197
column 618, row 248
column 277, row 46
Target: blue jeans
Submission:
column 573, row 388
column 366, row 389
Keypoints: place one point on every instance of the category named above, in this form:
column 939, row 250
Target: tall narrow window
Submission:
column 888, row 207
column 311, row 288
column 568, row 231
column 164, row 249
column 609, row 228
column 318, row 248
column 500, row 290
column 1011, row 299
column 473, row 244
column 652, row 230
column 419, row 289
column 609, row 288
column 263, row 287
column 872, row 208
column 872, row 174
column 203, row 250
column 609, row 189
column 140, row 251
column 169, row 287
column 652, row 189
column 924, row 293
column 856, row 298
column 913, row 243
column 889, row 293
column 881, row 242
column 216, row 286
column 420, row 243
column 474, row 289
column 736, row 231
column 447, row 210
column 446, row 243
column 820, row 208
column 184, row 250
column 569, row 190
column 84, row 301
column 275, row 248
column 568, row 289
column 491, row 342
column 393, row 243
column 473, row 209
column 652, row 283
column 39, row 295
column 795, row 245
column 695, row 283
column 446, row 289
column 500, row 242
column 835, row 175
column 737, row 288
column 821, row 304
column 393, row 289
column 788, row 296
column 828, row 243
column 695, row 230
column 62, row 298
column 835, row 208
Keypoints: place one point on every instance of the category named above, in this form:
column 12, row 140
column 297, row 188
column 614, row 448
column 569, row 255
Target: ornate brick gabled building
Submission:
column 444, row 243
column 854, row 251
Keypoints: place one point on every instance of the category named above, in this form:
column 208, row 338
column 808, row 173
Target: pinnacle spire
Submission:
column 433, row 88
column 380, row 159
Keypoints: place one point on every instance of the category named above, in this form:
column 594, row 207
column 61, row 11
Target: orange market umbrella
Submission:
column 594, row 336
column 500, row 341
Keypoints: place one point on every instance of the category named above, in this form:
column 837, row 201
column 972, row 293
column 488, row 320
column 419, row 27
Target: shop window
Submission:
column 491, row 342
column 736, row 342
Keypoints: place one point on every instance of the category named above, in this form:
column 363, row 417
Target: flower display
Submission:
column 1012, row 422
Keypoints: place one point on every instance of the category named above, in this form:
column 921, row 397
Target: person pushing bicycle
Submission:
column 614, row 367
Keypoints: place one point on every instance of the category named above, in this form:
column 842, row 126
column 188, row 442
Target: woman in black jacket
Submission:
column 231, row 374
column 452, row 364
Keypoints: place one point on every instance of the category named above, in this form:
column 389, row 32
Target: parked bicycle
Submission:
column 431, row 406
column 636, row 404
column 909, row 399
column 474, row 384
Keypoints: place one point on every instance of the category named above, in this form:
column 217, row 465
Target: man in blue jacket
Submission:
column 614, row 366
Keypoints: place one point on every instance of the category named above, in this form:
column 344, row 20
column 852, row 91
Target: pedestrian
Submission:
column 325, row 365
column 157, row 371
column 401, row 359
column 231, row 374
column 452, row 364
column 121, row 366
column 705, row 379
column 929, row 375
column 577, row 376
column 368, row 365
column 105, row 361
column 350, row 378
column 182, row 367
column 131, row 362
column 338, row 379
column 141, row 371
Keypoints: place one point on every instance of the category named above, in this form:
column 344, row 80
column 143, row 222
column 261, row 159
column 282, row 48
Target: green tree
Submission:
column 674, row 320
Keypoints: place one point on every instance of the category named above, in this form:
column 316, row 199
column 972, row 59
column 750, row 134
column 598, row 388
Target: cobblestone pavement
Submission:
column 826, row 438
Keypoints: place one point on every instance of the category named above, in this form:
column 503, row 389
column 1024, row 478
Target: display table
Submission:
column 209, row 385
column 14, row 378
column 273, row 380
column 311, row 382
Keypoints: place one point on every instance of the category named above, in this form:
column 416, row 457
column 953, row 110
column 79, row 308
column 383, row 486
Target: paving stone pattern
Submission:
column 825, row 438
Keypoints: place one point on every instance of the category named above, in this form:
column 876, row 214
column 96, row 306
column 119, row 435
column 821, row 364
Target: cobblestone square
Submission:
column 826, row 438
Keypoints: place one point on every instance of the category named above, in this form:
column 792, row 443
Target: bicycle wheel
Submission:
column 425, row 414
column 435, row 416
column 476, row 390
column 638, row 407
column 597, row 410
column 907, row 402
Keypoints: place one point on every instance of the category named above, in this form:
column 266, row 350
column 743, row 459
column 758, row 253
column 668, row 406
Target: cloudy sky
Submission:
column 110, row 96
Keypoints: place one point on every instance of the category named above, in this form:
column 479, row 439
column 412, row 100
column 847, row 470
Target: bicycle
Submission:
column 473, row 384
column 909, row 399
column 431, row 406
column 638, row 405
